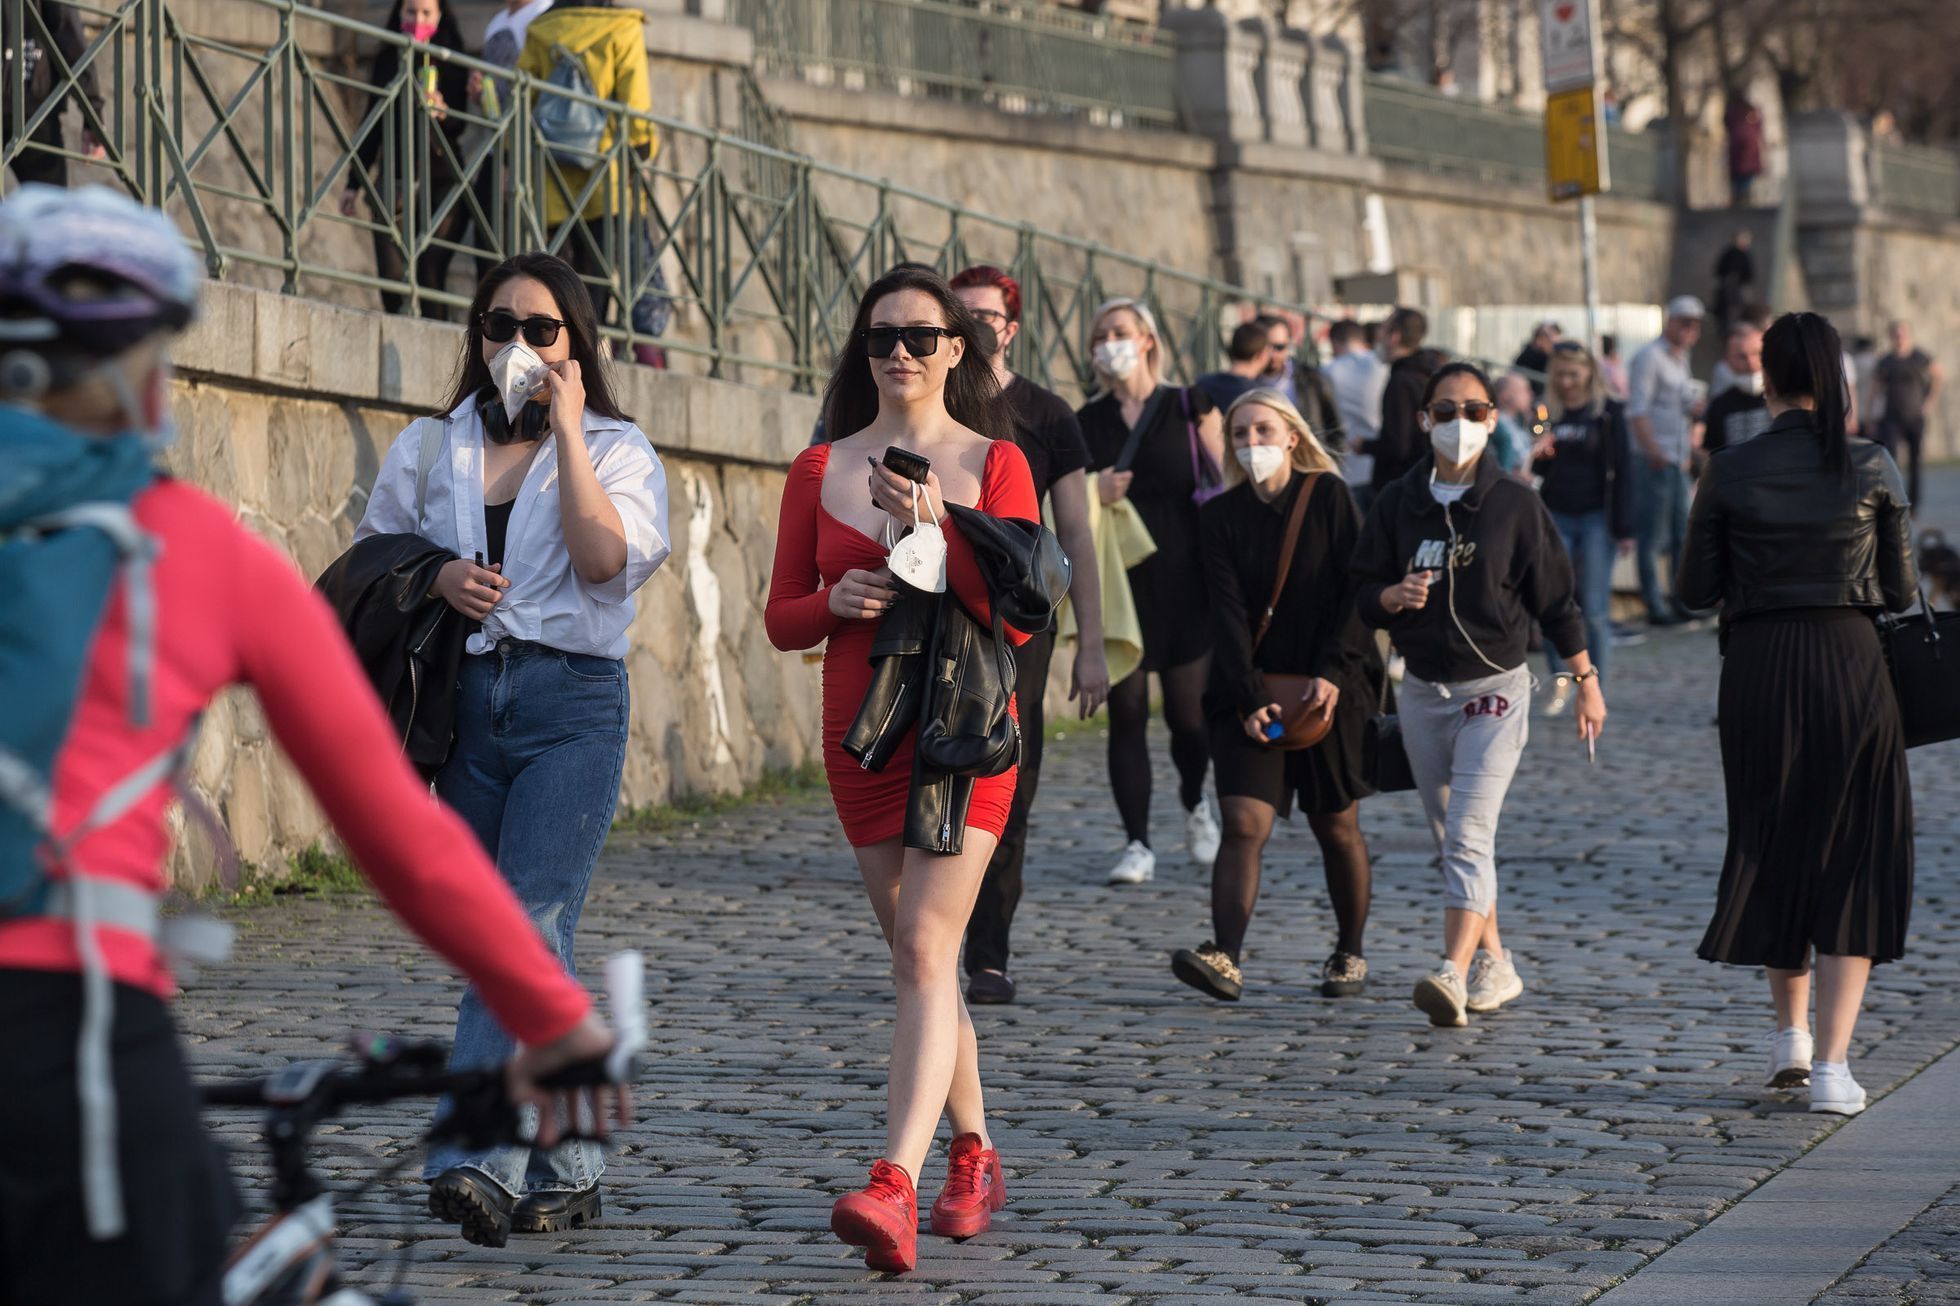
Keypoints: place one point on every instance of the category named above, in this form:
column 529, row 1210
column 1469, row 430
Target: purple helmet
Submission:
column 90, row 272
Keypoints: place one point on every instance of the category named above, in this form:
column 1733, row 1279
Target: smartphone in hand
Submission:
column 911, row 466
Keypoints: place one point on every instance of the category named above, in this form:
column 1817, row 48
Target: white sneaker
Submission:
column 1201, row 832
column 1493, row 982
column 1833, row 1091
column 1441, row 996
column 1137, row 865
column 1789, row 1059
column 1561, row 696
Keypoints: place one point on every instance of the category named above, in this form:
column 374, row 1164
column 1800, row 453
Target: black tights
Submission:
column 1248, row 823
column 1129, row 748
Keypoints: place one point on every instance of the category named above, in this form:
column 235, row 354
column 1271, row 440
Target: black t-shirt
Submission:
column 1734, row 417
column 1224, row 387
column 1905, row 383
column 496, row 530
column 1047, row 431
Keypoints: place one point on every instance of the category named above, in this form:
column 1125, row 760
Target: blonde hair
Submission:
column 1145, row 319
column 1309, row 454
column 1596, row 395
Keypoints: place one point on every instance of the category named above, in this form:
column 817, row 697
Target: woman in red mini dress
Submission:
column 913, row 373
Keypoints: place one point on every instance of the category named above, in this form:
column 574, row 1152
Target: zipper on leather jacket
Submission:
column 891, row 710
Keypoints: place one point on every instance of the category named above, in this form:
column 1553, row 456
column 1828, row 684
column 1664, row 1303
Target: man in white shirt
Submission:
column 1358, row 376
column 1664, row 405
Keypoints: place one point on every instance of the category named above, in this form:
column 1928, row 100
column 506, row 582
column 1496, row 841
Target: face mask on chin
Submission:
column 1750, row 383
column 1261, row 461
column 1119, row 358
column 1460, row 441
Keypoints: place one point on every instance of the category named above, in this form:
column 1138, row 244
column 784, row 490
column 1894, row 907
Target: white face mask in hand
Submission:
column 1261, row 461
column 1119, row 358
column 920, row 558
column 1460, row 441
column 517, row 372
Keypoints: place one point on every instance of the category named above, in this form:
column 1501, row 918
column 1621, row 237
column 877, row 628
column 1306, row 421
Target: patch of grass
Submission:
column 311, row 871
column 774, row 787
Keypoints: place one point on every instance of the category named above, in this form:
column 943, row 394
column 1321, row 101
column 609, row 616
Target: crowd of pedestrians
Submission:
column 1313, row 636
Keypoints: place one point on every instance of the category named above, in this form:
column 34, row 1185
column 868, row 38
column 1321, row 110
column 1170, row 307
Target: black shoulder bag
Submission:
column 1923, row 651
column 1384, row 758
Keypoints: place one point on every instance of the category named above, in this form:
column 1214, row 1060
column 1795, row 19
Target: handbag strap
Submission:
column 1204, row 473
column 1146, row 418
column 1294, row 520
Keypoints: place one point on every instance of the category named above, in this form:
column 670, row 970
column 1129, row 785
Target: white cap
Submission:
column 1686, row 306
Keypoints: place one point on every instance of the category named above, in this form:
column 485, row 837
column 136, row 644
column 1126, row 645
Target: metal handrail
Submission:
column 1019, row 58
column 1916, row 178
column 765, row 250
column 1419, row 125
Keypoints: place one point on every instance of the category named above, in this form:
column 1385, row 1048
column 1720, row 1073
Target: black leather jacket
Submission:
column 1773, row 528
column 409, row 642
column 937, row 670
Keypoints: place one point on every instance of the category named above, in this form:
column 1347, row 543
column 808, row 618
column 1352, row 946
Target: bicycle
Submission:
column 289, row 1261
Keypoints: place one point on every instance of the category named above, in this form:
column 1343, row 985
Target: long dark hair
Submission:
column 1448, row 370
column 1803, row 358
column 850, row 401
column 581, row 323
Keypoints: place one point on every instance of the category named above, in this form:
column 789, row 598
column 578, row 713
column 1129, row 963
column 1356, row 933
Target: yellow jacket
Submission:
column 1122, row 541
column 612, row 44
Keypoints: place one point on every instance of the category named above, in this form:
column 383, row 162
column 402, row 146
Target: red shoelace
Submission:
column 966, row 1171
column 889, row 1184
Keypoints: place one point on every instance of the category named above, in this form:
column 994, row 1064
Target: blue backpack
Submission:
column 67, row 535
column 573, row 130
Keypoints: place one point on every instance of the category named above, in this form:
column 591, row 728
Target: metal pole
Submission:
column 1589, row 263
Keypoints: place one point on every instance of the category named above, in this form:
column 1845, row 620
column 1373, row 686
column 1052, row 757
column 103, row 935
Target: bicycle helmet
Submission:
column 85, row 275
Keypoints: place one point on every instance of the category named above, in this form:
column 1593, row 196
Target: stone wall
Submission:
column 285, row 408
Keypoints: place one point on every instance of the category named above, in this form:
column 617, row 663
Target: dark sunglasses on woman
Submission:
column 539, row 332
column 920, row 341
column 1446, row 410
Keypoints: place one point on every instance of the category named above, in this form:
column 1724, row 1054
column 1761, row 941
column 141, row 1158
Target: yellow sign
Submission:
column 1575, row 145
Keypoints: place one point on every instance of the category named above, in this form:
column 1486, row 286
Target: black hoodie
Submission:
column 1508, row 567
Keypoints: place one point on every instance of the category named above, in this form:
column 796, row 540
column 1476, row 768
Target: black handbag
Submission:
column 1384, row 758
column 1923, row 651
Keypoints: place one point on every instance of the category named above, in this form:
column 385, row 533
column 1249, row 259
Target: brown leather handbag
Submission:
column 1300, row 726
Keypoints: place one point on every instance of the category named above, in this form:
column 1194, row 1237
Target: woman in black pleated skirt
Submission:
column 1802, row 536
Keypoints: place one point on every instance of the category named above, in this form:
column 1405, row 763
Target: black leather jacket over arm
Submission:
column 1773, row 527
column 408, row 641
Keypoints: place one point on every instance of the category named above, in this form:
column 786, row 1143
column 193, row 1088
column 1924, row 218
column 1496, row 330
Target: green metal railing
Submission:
column 1414, row 124
column 1023, row 58
column 249, row 138
column 1916, row 179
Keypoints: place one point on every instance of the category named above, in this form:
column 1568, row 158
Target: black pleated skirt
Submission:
column 1820, row 805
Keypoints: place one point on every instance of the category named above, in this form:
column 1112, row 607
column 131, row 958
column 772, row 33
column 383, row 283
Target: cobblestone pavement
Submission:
column 1160, row 1147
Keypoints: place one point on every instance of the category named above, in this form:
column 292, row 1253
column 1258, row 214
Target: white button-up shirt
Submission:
column 548, row 602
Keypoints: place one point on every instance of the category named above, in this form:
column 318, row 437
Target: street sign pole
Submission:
column 1576, row 162
column 1589, row 265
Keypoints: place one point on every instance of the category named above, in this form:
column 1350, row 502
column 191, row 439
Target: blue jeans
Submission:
column 540, row 742
column 1588, row 540
column 1661, row 495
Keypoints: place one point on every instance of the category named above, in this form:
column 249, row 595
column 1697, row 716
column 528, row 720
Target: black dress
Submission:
column 1800, row 557
column 1169, row 585
column 1316, row 631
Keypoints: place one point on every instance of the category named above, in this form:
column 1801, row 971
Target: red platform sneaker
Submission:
column 883, row 1219
column 974, row 1190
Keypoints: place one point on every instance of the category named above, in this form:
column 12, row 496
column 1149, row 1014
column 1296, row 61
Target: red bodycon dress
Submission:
column 813, row 551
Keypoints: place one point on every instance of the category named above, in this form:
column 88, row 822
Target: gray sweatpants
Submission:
column 1464, row 742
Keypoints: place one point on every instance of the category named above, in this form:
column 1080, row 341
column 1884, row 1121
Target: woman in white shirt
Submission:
column 556, row 515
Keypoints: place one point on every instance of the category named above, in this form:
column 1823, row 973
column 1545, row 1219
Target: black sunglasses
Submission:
column 1445, row 410
column 539, row 332
column 920, row 341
